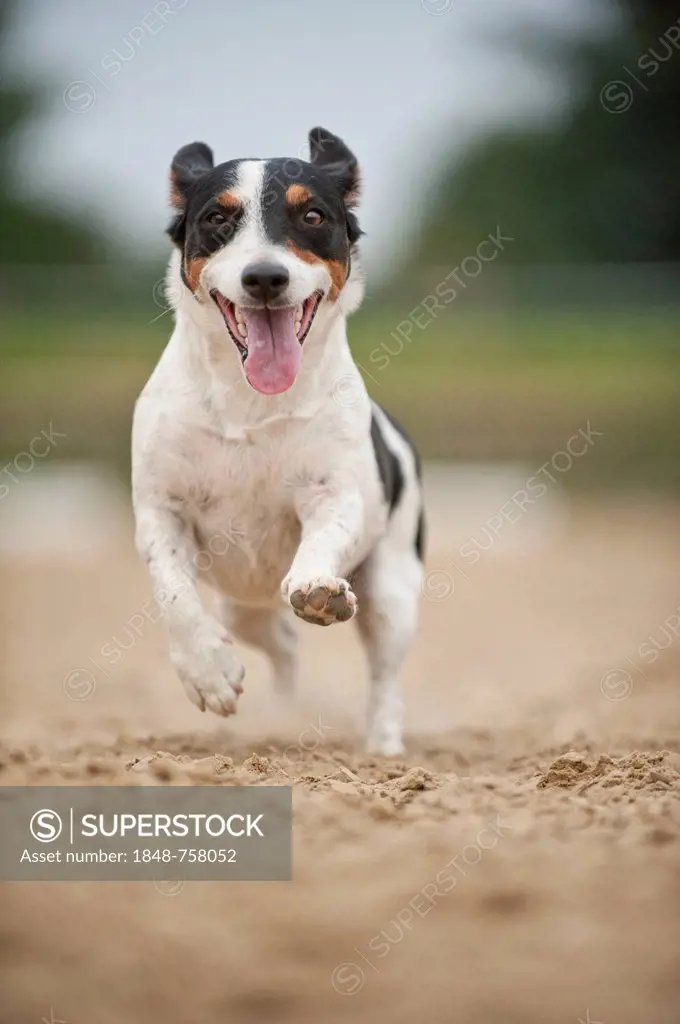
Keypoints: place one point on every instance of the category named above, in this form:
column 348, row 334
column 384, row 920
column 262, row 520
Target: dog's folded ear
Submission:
column 330, row 152
column 190, row 163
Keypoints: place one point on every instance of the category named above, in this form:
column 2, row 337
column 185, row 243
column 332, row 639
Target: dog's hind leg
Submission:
column 271, row 631
column 388, row 587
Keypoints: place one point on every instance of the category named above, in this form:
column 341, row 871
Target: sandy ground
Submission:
column 543, row 767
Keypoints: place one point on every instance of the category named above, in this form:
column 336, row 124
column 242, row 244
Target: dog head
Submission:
column 267, row 246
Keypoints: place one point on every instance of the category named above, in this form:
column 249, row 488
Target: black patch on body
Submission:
column 389, row 468
column 391, row 475
column 420, row 535
column 409, row 441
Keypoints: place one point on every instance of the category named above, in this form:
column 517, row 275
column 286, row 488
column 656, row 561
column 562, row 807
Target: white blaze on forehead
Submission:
column 249, row 188
column 251, row 243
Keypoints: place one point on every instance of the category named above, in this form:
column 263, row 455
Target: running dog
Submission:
column 260, row 464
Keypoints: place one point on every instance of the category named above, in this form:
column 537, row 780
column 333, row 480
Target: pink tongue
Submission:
column 274, row 352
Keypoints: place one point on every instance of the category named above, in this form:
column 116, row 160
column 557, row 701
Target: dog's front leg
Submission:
column 199, row 645
column 331, row 532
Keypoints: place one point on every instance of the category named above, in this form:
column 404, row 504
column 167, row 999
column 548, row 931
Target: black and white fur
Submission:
column 319, row 497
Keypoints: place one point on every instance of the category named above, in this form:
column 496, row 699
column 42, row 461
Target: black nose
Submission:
column 265, row 281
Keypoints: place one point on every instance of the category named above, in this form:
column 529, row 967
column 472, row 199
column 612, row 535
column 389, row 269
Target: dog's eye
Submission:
column 314, row 217
column 216, row 218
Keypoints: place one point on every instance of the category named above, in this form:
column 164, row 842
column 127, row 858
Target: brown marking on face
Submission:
column 229, row 201
column 338, row 271
column 192, row 269
column 336, row 268
column 297, row 195
column 306, row 255
column 176, row 197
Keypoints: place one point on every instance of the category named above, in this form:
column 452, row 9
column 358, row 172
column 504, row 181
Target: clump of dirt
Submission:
column 415, row 779
column 659, row 771
column 162, row 765
column 404, row 789
column 259, row 765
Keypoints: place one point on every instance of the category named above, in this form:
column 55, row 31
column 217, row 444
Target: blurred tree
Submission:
column 31, row 232
column 602, row 186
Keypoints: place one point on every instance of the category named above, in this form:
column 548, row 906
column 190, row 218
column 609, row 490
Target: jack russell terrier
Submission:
column 256, row 426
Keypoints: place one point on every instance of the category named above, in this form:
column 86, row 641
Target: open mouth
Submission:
column 240, row 319
column 269, row 339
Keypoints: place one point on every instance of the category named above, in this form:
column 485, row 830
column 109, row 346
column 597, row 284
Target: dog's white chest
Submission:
column 246, row 526
column 247, row 551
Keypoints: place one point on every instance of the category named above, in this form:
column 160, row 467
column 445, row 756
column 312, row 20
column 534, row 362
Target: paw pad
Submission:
column 323, row 603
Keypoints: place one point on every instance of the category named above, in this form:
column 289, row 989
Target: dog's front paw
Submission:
column 321, row 601
column 209, row 671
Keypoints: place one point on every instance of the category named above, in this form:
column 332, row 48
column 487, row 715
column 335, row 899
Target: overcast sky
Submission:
column 403, row 81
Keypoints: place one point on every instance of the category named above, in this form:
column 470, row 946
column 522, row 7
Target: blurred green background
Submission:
column 575, row 321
